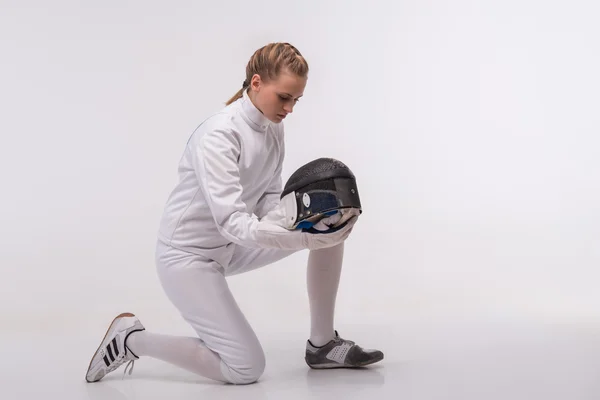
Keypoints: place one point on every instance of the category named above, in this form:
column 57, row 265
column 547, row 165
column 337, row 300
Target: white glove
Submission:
column 271, row 232
column 331, row 237
column 336, row 219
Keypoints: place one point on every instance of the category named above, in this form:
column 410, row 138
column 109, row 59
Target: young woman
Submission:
column 224, row 218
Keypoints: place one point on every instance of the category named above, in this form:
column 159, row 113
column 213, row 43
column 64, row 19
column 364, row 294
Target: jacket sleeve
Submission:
column 215, row 159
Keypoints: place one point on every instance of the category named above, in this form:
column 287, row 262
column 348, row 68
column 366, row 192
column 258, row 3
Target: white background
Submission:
column 472, row 128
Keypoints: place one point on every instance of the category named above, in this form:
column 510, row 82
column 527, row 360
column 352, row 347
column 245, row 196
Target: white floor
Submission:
column 443, row 359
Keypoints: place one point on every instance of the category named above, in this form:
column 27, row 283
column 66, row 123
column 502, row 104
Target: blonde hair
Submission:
column 269, row 60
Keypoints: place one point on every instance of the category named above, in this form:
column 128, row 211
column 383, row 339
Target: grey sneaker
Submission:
column 340, row 353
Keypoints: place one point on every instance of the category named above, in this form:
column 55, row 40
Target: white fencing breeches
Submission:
column 227, row 348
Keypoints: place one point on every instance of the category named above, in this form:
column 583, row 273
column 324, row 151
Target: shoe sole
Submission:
column 337, row 365
column 102, row 341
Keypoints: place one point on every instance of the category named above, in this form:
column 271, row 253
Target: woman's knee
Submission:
column 245, row 371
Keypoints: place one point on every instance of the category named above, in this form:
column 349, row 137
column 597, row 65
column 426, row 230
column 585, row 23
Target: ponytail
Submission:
column 238, row 95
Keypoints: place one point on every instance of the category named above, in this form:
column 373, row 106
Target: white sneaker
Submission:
column 112, row 352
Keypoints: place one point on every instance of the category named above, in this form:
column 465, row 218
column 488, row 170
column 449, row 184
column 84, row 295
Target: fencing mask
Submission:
column 320, row 196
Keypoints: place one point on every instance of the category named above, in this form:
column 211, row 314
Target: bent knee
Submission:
column 245, row 372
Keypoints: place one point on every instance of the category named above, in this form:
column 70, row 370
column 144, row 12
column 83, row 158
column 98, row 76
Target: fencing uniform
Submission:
column 216, row 224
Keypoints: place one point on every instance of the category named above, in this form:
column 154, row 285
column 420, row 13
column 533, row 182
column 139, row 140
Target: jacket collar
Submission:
column 252, row 115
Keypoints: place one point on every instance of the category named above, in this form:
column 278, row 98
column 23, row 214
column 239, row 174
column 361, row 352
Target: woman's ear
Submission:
column 256, row 82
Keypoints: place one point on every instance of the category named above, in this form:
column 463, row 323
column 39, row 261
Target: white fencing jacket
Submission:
column 229, row 190
column 229, row 177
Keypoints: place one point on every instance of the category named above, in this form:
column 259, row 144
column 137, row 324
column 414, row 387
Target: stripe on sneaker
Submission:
column 106, row 361
column 116, row 348
column 339, row 353
column 110, row 354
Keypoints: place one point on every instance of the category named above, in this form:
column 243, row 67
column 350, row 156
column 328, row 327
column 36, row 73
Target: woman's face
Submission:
column 277, row 98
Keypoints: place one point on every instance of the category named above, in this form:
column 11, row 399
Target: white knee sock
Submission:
column 323, row 278
column 185, row 352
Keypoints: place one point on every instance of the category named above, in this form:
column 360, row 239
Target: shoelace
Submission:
column 131, row 362
column 338, row 339
column 118, row 362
